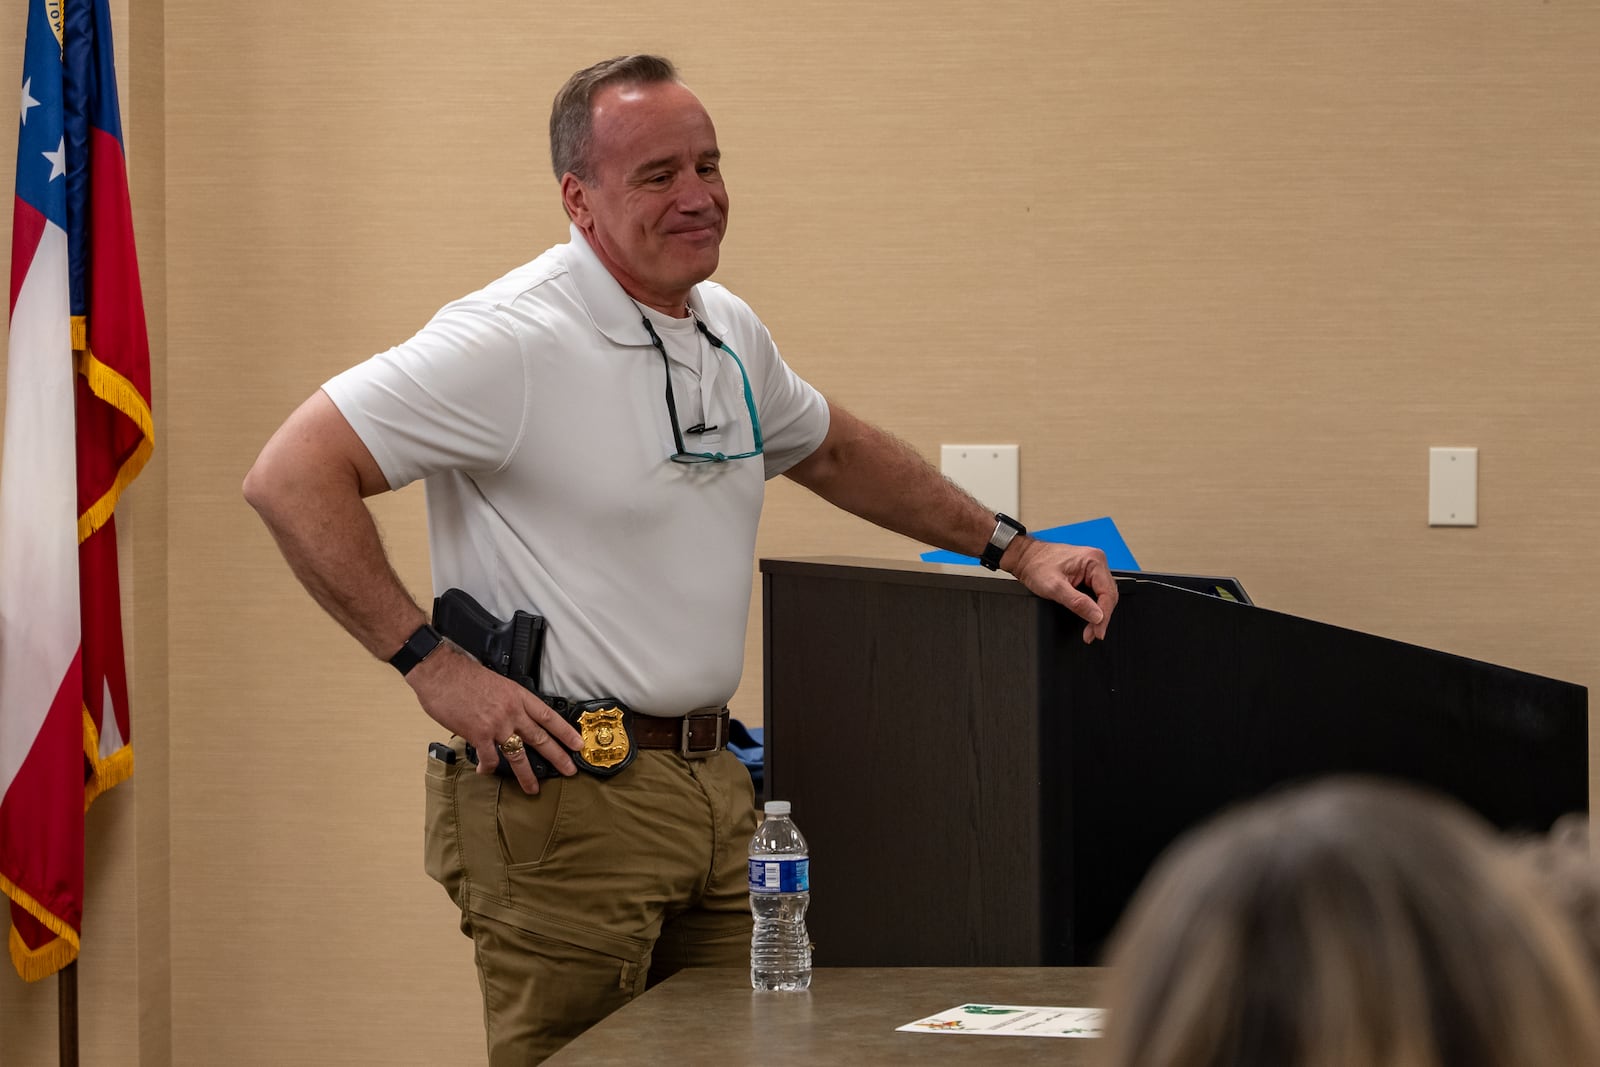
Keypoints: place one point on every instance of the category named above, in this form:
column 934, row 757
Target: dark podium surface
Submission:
column 849, row 1015
column 980, row 788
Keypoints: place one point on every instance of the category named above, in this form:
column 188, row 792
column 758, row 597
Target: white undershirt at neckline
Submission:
column 686, row 347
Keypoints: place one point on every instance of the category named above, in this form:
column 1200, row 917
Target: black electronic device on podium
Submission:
column 980, row 788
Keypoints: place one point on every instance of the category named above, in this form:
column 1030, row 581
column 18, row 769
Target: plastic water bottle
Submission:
column 780, row 890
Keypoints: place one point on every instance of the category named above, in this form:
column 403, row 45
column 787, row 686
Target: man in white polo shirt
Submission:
column 595, row 430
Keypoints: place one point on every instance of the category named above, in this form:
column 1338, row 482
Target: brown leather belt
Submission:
column 694, row 736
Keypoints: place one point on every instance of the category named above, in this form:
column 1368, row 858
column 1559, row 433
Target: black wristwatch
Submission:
column 423, row 640
column 1005, row 529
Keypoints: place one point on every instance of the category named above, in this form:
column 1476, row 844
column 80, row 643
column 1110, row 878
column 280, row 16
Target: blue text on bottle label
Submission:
column 780, row 876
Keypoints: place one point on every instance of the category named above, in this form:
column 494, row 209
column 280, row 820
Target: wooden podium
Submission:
column 980, row 788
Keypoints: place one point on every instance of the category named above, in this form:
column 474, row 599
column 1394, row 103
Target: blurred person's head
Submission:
column 1351, row 923
column 1566, row 865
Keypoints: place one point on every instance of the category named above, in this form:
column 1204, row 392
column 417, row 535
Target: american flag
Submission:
column 78, row 429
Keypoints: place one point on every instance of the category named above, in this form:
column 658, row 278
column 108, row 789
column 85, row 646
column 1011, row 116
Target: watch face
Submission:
column 1006, row 528
column 1004, row 532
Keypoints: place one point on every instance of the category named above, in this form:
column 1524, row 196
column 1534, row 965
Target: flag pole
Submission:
column 67, row 1011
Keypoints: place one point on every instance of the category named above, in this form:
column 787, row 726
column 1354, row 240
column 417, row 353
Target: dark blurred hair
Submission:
column 1351, row 923
column 572, row 114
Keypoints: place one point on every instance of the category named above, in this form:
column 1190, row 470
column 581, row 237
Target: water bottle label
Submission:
column 780, row 876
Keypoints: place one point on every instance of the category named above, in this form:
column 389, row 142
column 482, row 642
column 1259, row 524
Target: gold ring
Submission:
column 512, row 746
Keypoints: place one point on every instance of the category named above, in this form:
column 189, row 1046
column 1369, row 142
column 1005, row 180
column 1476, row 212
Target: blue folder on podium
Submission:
column 1099, row 533
column 1103, row 534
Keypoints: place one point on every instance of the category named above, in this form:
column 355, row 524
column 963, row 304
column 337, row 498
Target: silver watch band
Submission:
column 1006, row 530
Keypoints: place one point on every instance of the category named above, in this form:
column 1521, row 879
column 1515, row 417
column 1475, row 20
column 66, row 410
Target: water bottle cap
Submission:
column 776, row 807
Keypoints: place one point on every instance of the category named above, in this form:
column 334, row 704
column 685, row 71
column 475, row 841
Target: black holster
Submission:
column 515, row 649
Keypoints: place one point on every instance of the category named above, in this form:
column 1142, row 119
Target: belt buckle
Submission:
column 700, row 753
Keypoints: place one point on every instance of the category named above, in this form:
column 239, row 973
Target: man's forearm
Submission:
column 339, row 558
column 310, row 497
column 872, row 474
column 309, row 485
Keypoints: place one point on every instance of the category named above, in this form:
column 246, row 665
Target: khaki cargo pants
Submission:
column 580, row 897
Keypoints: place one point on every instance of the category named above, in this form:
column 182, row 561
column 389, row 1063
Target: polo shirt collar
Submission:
column 610, row 307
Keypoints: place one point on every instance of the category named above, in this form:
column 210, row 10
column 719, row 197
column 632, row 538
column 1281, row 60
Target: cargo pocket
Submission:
column 441, row 834
column 546, row 980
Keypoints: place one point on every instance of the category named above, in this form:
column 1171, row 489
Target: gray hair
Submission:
column 572, row 114
column 1347, row 923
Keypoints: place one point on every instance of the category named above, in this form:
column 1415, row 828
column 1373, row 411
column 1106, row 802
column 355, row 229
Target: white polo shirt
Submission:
column 535, row 410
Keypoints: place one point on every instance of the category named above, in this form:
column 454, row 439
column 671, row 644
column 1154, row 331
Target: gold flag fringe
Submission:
column 110, row 386
column 111, row 771
column 34, row 964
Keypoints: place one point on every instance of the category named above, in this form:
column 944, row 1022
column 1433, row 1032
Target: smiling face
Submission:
column 653, row 208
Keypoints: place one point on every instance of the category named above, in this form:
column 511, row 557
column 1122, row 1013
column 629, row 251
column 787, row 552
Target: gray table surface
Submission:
column 849, row 1015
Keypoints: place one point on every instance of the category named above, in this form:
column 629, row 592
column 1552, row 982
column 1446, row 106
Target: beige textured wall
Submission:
column 148, row 560
column 1223, row 271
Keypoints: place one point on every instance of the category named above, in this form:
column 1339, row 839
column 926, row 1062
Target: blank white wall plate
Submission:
column 988, row 472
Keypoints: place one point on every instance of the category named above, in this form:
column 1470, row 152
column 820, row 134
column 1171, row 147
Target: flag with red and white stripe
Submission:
column 77, row 431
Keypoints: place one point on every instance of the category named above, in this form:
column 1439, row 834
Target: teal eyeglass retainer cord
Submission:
column 682, row 455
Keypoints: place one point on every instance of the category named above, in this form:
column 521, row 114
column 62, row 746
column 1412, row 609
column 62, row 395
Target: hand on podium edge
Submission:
column 1055, row 572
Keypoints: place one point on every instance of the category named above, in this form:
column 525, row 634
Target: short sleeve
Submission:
column 454, row 397
column 794, row 416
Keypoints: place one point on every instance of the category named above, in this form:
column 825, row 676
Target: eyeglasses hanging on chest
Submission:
column 680, row 454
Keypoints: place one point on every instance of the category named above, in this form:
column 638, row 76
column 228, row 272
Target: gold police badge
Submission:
column 605, row 740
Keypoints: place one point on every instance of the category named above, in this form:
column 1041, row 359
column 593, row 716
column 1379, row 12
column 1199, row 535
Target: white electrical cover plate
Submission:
column 1452, row 487
column 988, row 472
